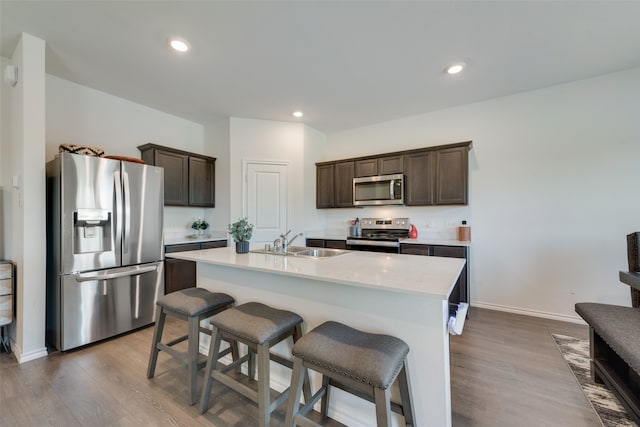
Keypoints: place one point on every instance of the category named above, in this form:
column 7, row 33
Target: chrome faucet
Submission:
column 286, row 242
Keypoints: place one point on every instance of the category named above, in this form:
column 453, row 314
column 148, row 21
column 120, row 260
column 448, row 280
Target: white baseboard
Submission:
column 28, row 356
column 533, row 313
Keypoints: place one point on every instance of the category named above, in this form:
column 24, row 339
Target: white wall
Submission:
column 314, row 147
column 252, row 139
column 216, row 135
column 5, row 177
column 554, row 179
column 23, row 157
column 77, row 114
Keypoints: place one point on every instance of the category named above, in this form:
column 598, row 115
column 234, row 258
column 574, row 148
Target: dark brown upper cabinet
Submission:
column 189, row 178
column 419, row 178
column 436, row 175
column 334, row 185
column 387, row 165
column 202, row 189
column 452, row 176
column 325, row 183
column 344, row 185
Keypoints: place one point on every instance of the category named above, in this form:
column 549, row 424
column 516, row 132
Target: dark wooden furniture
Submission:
column 461, row 291
column 191, row 305
column 614, row 341
column 259, row 327
column 326, row 243
column 179, row 273
column 386, row 165
column 633, row 257
column 189, row 178
column 419, row 178
column 436, row 175
column 452, row 176
column 334, row 185
column 338, row 352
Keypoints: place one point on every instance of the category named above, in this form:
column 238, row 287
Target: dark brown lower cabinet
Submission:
column 326, row 243
column 460, row 292
column 179, row 273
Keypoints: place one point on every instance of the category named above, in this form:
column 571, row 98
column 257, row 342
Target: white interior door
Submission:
column 267, row 198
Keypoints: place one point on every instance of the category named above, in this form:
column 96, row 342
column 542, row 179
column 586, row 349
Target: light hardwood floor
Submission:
column 505, row 371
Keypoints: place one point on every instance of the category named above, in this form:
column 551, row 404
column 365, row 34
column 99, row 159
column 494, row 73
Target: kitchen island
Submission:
column 400, row 295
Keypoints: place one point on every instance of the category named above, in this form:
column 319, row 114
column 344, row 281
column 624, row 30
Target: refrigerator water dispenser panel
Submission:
column 93, row 230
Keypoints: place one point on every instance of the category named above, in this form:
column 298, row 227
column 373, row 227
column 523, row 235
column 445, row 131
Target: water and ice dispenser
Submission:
column 93, row 229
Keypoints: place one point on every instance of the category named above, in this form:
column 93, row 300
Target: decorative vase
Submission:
column 242, row 247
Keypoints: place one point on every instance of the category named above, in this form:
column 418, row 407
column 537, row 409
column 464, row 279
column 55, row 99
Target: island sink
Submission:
column 301, row 251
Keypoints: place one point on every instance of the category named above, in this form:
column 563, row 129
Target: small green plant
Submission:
column 241, row 230
column 199, row 224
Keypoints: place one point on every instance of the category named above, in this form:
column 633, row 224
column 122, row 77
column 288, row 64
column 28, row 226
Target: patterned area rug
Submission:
column 576, row 353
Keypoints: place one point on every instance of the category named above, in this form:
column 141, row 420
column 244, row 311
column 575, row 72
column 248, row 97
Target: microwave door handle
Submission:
column 391, row 193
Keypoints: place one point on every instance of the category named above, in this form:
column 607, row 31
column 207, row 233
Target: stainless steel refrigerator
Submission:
column 105, row 265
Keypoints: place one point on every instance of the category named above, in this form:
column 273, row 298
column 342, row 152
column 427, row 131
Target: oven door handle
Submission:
column 373, row 243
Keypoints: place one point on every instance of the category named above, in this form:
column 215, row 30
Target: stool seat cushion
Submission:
column 255, row 322
column 194, row 301
column 618, row 326
column 372, row 359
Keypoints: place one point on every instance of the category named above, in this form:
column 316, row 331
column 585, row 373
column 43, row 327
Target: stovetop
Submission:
column 384, row 229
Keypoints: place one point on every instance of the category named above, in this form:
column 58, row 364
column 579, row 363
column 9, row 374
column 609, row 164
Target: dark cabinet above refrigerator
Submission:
column 189, row 178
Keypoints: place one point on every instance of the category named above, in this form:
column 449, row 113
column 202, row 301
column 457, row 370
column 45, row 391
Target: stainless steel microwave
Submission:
column 378, row 190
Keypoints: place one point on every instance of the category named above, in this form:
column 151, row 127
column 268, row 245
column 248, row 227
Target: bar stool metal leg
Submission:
column 259, row 327
column 317, row 351
column 212, row 358
column 157, row 337
column 194, row 344
column 405, row 395
column 191, row 305
column 383, row 407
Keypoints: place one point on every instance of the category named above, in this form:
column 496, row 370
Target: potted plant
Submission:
column 241, row 232
column 199, row 225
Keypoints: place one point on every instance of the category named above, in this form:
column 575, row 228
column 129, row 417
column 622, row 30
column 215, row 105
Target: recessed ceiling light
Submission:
column 179, row 45
column 455, row 68
column 297, row 114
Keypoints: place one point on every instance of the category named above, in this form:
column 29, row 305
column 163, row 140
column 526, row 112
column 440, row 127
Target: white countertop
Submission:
column 429, row 241
column 418, row 241
column 430, row 276
column 177, row 239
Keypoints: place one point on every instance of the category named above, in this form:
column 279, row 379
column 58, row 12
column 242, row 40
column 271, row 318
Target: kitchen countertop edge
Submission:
column 418, row 241
column 397, row 273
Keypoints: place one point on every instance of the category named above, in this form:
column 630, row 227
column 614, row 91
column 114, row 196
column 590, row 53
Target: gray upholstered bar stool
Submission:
column 192, row 305
column 358, row 362
column 260, row 327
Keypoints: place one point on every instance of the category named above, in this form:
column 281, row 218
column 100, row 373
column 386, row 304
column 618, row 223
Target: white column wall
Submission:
column 252, row 139
column 24, row 151
column 217, row 145
column 554, row 179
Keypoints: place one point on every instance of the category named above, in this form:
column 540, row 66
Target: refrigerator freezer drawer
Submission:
column 108, row 303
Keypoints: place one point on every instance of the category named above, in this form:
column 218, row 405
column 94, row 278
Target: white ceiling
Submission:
column 345, row 64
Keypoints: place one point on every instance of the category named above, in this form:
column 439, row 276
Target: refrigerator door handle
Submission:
column 116, row 273
column 127, row 213
column 117, row 184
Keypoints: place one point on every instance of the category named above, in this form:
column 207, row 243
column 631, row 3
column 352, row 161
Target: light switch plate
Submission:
column 11, row 75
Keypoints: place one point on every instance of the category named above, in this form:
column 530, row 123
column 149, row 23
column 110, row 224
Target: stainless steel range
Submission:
column 380, row 235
